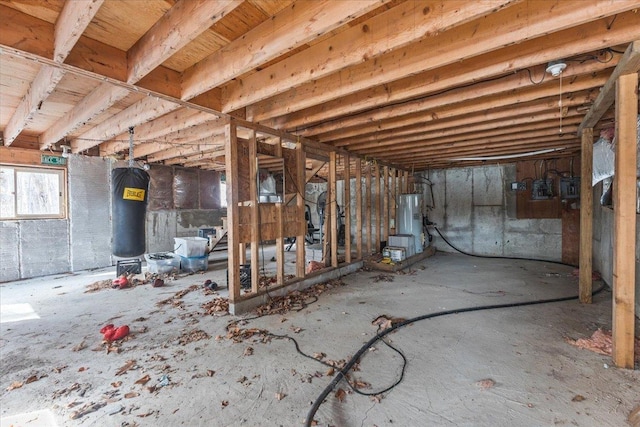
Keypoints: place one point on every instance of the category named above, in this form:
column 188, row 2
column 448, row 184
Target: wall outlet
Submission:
column 570, row 188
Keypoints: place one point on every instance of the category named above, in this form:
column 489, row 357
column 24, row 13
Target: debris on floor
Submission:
column 601, row 342
column 217, row 306
column 634, row 417
column 486, row 384
column 192, row 336
column 385, row 321
column 382, row 278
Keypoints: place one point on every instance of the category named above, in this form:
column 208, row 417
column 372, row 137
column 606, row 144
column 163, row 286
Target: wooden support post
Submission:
column 358, row 208
column 376, row 248
column 242, row 255
column 347, row 208
column 367, row 209
column 255, row 214
column 233, row 226
column 586, row 217
column 333, row 205
column 300, row 203
column 394, row 196
column 405, row 183
column 624, row 222
column 385, row 203
column 280, row 227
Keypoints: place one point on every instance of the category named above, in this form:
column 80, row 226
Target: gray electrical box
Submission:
column 570, row 188
column 542, row 189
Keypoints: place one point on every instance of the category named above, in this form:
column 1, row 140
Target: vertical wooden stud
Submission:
column 392, row 211
column 255, row 214
column 347, row 208
column 280, row 225
column 376, row 248
column 367, row 208
column 624, row 222
column 586, row 217
column 233, row 227
column 300, row 203
column 358, row 164
column 385, row 203
column 333, row 207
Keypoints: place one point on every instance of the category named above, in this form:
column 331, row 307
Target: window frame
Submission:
column 61, row 173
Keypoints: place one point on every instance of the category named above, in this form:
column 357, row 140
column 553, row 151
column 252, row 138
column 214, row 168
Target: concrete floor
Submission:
column 537, row 374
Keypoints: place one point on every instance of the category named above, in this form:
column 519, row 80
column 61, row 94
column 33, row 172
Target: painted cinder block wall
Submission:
column 476, row 211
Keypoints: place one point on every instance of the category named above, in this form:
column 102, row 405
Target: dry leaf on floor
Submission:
column 80, row 346
column 116, row 384
column 280, row 396
column 241, row 380
column 129, row 365
column 486, row 383
column 341, row 395
column 578, row 398
column 248, row 351
column 377, row 398
column 319, row 356
column 59, row 369
column 146, row 414
column 143, row 380
column 31, row 379
column 192, row 336
column 225, row 403
column 82, row 369
column 296, row 330
column 330, row 372
column 87, row 409
column 14, row 385
column 131, row 395
column 361, row 384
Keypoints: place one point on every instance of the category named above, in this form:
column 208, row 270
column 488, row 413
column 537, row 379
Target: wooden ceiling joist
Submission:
column 628, row 64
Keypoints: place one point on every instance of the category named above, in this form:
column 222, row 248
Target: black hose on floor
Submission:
column 343, row 372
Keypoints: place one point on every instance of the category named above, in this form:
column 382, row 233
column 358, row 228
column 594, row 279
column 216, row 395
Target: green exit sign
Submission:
column 53, row 160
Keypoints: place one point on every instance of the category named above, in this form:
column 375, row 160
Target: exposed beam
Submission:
column 188, row 149
column 71, row 23
column 185, row 21
column 506, row 84
column 141, row 112
column 292, row 27
column 624, row 221
column 158, row 128
column 293, row 105
column 92, row 105
column 629, row 63
column 45, row 82
column 401, row 25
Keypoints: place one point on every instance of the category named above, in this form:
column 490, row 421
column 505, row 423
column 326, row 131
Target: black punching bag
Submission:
column 130, row 188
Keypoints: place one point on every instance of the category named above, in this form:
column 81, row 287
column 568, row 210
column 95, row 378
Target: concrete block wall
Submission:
column 603, row 243
column 475, row 209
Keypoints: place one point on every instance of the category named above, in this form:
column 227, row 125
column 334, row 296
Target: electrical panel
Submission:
column 519, row 186
column 570, row 188
column 542, row 189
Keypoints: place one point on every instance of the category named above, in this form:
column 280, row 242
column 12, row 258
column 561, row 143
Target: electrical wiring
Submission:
column 342, row 374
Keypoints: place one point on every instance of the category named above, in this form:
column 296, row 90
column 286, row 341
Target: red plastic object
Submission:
column 111, row 333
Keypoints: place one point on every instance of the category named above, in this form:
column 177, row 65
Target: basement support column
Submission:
column 586, row 217
column 233, row 213
column 358, row 208
column 347, row 208
column 333, row 207
column 300, row 203
column 255, row 215
column 624, row 222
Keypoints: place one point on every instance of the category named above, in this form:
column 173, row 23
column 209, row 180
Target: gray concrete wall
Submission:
column 603, row 243
column 163, row 226
column 475, row 209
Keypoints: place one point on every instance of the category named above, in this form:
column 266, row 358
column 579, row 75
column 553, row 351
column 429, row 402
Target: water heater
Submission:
column 410, row 218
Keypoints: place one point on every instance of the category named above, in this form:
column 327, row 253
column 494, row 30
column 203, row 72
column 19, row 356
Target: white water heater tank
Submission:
column 410, row 218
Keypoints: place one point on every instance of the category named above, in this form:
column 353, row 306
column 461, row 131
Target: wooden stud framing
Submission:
column 394, row 197
column 300, row 202
column 624, row 222
column 347, row 208
column 255, row 212
column 367, row 209
column 358, row 164
column 385, row 203
column 233, row 227
column 586, row 216
column 280, row 228
column 376, row 248
column 333, row 207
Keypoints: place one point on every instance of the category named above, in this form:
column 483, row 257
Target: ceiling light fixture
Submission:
column 555, row 68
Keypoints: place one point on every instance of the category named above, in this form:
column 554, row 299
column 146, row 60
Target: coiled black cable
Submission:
column 356, row 357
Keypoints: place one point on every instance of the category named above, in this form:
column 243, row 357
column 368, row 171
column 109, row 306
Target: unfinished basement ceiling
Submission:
column 416, row 84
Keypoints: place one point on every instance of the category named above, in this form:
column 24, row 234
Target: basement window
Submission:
column 32, row 193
